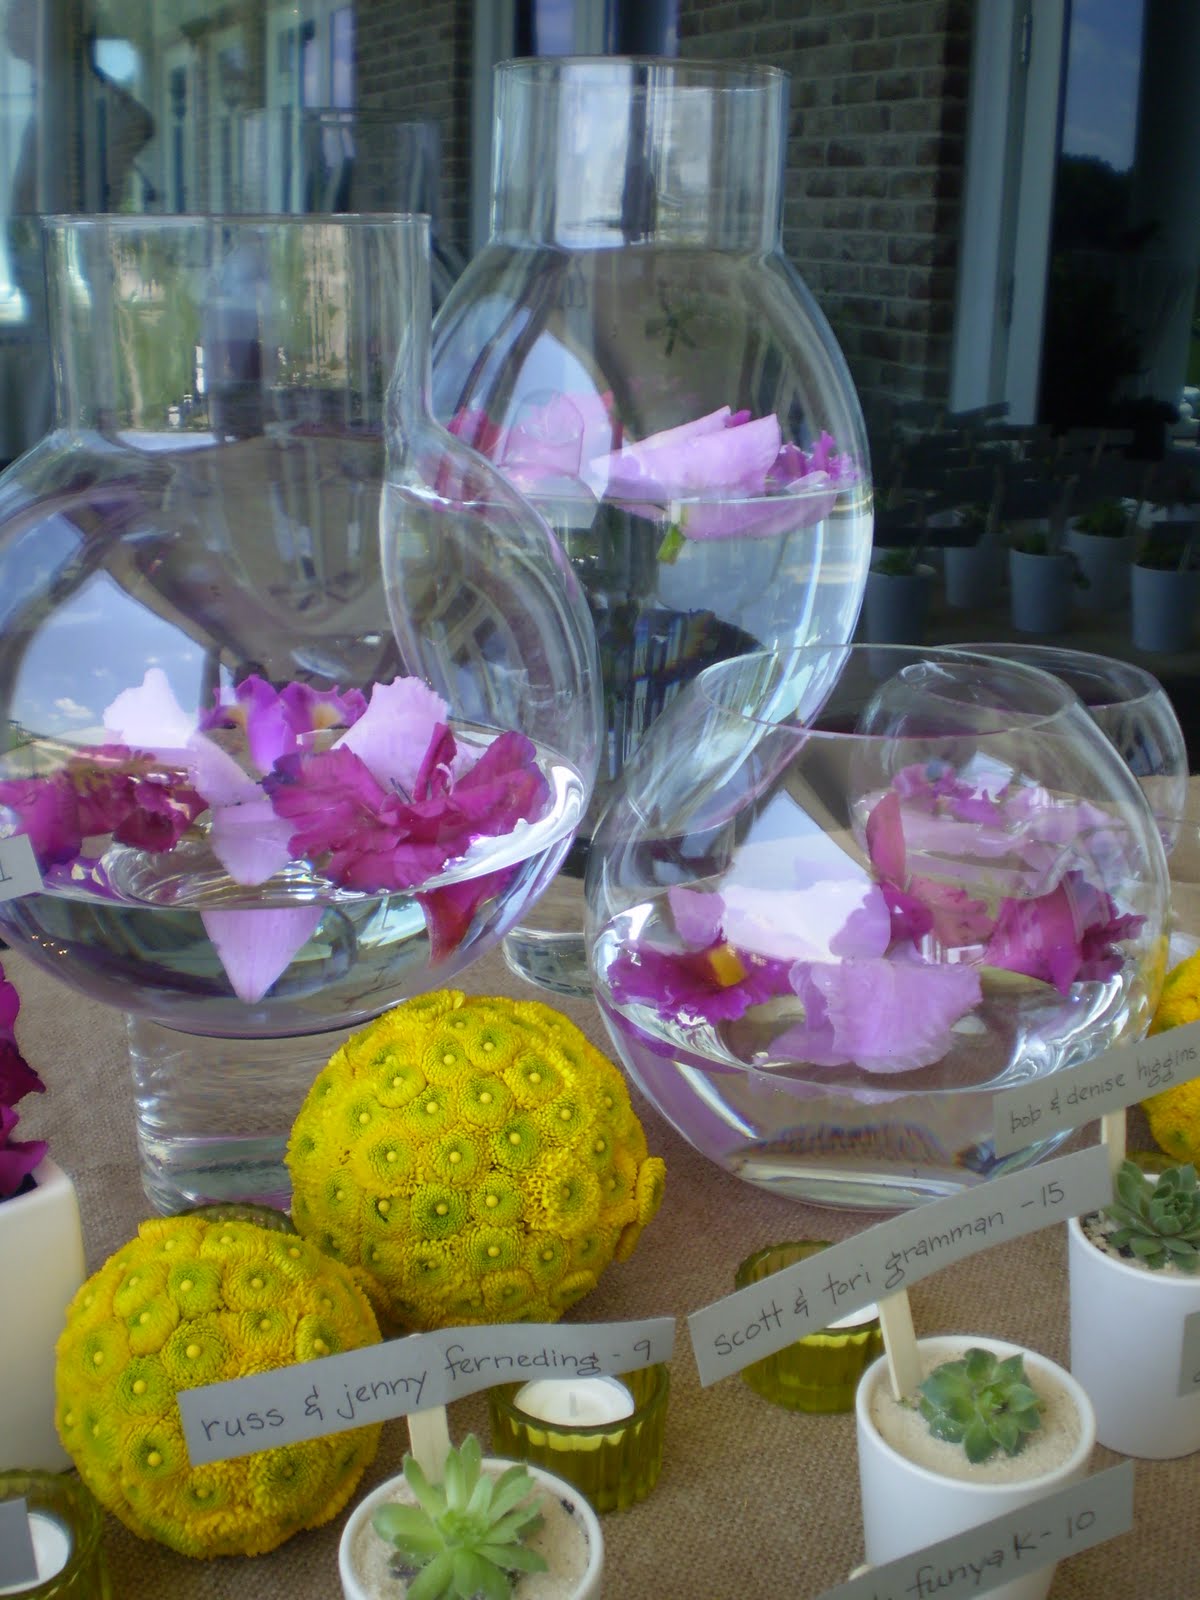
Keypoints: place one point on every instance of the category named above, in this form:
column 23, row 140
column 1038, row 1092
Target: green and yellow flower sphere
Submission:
column 189, row 1302
column 472, row 1160
column 1174, row 1115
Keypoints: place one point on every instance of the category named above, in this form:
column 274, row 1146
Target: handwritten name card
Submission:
column 1108, row 1082
column 311, row 1398
column 806, row 1298
column 1008, row 1547
column 18, row 867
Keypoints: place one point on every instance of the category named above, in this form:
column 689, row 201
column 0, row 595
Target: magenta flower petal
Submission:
column 1066, row 935
column 47, row 810
column 10, row 1003
column 270, row 733
column 393, row 734
column 17, row 1077
column 451, row 909
column 436, row 772
column 18, row 1158
column 256, row 947
column 504, row 787
column 956, row 918
column 685, row 984
column 697, row 915
column 882, row 1016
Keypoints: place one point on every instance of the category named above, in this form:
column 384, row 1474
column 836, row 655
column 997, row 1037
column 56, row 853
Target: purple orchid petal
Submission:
column 910, row 919
column 956, row 918
column 1064, row 936
column 879, row 1015
column 451, row 909
column 800, row 505
column 46, row 809
column 269, row 730
column 436, row 772
column 17, row 1077
column 311, row 709
column 867, row 931
column 250, row 840
column 555, row 440
column 685, row 984
column 256, row 947
column 150, row 718
column 885, row 839
column 692, row 460
column 697, row 915
column 18, row 1158
column 393, row 734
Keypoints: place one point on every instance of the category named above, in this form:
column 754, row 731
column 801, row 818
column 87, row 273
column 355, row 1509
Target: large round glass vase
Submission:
column 882, row 886
column 634, row 352
column 247, row 819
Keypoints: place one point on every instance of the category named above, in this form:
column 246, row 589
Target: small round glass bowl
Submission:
column 63, row 1505
column 821, row 1371
column 615, row 1464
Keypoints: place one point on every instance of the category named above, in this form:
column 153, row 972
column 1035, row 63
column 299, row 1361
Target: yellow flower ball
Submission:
column 1174, row 1115
column 471, row 1160
column 192, row 1301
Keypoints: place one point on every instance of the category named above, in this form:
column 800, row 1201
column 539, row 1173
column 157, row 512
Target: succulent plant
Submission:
column 1158, row 1219
column 465, row 1535
column 981, row 1402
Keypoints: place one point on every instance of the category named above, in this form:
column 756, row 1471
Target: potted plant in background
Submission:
column 1041, row 576
column 41, row 1262
column 1102, row 541
column 899, row 586
column 992, row 1427
column 491, row 1528
column 975, row 570
column 1165, row 587
column 1135, row 1280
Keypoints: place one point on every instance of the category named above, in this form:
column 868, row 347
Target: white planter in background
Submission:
column 1126, row 1349
column 588, row 1587
column 906, row 1506
column 974, row 575
column 897, row 604
column 1040, row 588
column 1164, row 608
column 41, row 1267
column 1105, row 564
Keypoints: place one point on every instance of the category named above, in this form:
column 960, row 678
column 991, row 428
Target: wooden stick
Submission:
column 429, row 1437
column 900, row 1343
column 1112, row 1134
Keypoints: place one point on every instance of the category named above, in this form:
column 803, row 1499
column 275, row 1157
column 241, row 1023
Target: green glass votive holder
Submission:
column 821, row 1371
column 66, row 1529
column 615, row 1460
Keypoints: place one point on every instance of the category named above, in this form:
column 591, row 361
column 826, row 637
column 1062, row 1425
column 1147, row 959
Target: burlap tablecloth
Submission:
column 753, row 1500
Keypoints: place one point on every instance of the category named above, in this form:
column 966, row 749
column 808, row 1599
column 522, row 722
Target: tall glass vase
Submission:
column 636, row 355
column 248, row 815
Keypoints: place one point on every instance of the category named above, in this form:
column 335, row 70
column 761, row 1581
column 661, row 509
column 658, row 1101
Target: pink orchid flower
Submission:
column 375, row 838
column 18, row 1157
column 880, row 1015
column 1063, row 937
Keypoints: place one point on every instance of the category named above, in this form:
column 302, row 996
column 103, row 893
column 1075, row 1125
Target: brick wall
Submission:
column 874, row 168
column 414, row 60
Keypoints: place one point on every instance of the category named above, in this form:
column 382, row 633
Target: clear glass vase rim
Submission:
column 1108, row 667
column 413, row 222
column 1063, row 699
column 716, row 74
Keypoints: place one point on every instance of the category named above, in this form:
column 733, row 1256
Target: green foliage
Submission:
column 1106, row 519
column 1158, row 1220
column 981, row 1402
column 465, row 1535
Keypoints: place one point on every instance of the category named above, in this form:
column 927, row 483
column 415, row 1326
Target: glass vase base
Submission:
column 213, row 1115
column 547, row 949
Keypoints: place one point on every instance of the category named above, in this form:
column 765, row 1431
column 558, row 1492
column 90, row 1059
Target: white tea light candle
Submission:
column 51, row 1550
column 575, row 1402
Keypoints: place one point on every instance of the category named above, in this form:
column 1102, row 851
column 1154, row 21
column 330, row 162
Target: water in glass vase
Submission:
column 218, row 1078
column 842, row 1136
column 667, row 603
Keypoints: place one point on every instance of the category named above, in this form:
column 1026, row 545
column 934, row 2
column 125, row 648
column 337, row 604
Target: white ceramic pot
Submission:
column 907, row 1506
column 41, row 1266
column 1126, row 1348
column 1105, row 564
column 974, row 574
column 1040, row 589
column 897, row 604
column 1164, row 608
column 587, row 1588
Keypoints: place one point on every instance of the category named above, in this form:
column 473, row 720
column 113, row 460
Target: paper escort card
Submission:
column 18, row 1564
column 1008, row 1547
column 1107, row 1082
column 18, row 867
column 1189, row 1366
column 311, row 1398
column 767, row 1316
